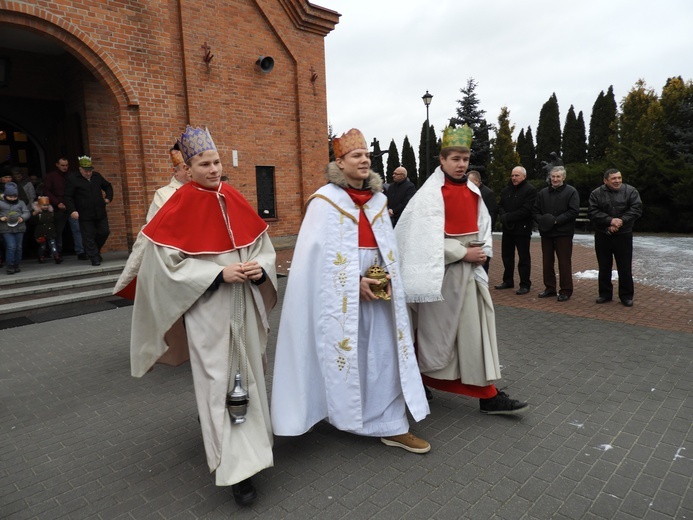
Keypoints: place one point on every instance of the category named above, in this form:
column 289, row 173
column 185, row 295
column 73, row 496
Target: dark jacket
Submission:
column 515, row 208
column 44, row 223
column 555, row 211
column 54, row 187
column 489, row 199
column 398, row 196
column 85, row 197
column 606, row 204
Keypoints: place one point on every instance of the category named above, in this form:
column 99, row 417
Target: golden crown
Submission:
column 350, row 141
column 460, row 136
column 194, row 141
column 85, row 162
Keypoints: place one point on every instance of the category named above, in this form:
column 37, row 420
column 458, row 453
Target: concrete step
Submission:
column 23, row 308
column 33, row 291
column 55, row 289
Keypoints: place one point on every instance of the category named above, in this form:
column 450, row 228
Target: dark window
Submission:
column 264, row 181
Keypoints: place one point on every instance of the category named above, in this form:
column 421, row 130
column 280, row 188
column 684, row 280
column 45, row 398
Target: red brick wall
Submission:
column 143, row 79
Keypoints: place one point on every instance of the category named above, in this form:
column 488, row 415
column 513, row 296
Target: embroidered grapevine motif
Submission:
column 342, row 362
column 339, row 282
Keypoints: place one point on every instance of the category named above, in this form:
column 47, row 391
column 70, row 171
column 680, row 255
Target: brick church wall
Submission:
column 142, row 77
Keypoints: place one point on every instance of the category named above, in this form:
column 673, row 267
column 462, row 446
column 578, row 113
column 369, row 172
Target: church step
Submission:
column 72, row 299
column 53, row 287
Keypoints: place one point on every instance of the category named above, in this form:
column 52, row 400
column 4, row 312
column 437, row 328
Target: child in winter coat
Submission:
column 13, row 216
column 44, row 230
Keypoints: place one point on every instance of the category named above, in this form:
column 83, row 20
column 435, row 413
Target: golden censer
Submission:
column 377, row 272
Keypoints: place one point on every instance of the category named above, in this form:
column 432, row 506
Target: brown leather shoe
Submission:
column 407, row 441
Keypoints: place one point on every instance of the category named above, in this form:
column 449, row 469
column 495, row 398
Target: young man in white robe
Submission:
column 344, row 349
column 208, row 258
column 444, row 238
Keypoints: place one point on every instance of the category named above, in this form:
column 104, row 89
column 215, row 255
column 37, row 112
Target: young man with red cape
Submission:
column 208, row 258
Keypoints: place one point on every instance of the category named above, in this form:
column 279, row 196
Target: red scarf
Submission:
column 192, row 221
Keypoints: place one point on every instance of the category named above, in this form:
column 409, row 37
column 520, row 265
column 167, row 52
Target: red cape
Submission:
column 191, row 221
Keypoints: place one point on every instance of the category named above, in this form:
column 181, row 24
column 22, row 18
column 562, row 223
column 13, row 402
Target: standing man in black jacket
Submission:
column 86, row 196
column 613, row 209
column 515, row 212
column 489, row 199
column 555, row 211
column 399, row 193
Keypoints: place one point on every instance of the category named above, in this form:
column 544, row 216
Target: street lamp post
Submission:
column 427, row 101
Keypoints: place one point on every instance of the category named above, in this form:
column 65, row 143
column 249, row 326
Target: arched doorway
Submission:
column 66, row 102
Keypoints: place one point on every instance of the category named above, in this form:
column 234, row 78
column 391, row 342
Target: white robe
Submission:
column 171, row 284
column 452, row 309
column 322, row 351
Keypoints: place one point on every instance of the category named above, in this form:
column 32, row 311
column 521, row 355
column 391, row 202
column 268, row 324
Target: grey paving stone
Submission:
column 111, row 446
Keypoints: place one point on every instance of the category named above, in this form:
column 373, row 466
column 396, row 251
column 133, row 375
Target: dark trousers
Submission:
column 617, row 247
column 524, row 265
column 59, row 220
column 94, row 235
column 561, row 248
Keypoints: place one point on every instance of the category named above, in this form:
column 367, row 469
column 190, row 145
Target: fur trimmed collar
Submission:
column 335, row 176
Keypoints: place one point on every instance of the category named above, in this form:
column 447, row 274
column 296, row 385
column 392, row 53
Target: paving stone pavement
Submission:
column 609, row 434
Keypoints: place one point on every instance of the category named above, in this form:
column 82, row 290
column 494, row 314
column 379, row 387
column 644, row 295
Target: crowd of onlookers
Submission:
column 34, row 212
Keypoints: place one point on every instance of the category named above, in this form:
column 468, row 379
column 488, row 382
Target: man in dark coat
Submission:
column 54, row 187
column 515, row 212
column 86, row 197
column 399, row 193
column 489, row 199
column 613, row 209
column 555, row 211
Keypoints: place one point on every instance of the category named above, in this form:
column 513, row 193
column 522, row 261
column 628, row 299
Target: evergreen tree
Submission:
column 434, row 148
column 677, row 108
column 581, row 139
column 573, row 148
column 330, row 135
column 503, row 155
column 392, row 160
column 481, row 147
column 641, row 120
column 638, row 150
column 377, row 159
column 602, row 125
column 469, row 112
column 409, row 159
column 525, row 149
column 548, row 130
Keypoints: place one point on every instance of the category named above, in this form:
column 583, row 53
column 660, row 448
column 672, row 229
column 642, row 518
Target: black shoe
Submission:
column 603, row 299
column 522, row 290
column 10, row 270
column 17, row 269
column 429, row 394
column 563, row 297
column 627, row 302
column 546, row 294
column 96, row 261
column 244, row 492
column 82, row 256
column 501, row 404
column 504, row 286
